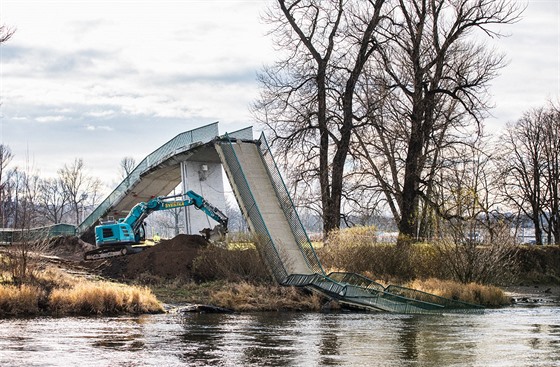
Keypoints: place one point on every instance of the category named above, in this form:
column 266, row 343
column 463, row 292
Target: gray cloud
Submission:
column 238, row 76
column 46, row 62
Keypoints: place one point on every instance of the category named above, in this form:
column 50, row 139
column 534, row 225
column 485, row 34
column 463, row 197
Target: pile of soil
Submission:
column 69, row 247
column 169, row 259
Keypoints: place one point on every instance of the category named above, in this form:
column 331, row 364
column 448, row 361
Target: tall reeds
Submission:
column 20, row 300
column 486, row 295
column 53, row 292
column 102, row 298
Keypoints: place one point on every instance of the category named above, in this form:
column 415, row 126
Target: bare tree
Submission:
column 126, row 166
column 27, row 240
column 307, row 99
column 53, row 200
column 5, row 158
column 466, row 194
column 434, row 84
column 166, row 223
column 551, row 125
column 531, row 169
column 78, row 186
column 5, row 33
column 5, row 152
column 236, row 222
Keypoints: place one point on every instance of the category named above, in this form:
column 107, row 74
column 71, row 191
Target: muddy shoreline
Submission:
column 542, row 294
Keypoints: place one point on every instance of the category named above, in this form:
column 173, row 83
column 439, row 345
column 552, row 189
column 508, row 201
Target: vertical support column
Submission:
column 185, row 188
column 204, row 178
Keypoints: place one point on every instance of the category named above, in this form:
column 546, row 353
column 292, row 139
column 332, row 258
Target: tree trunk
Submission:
column 409, row 201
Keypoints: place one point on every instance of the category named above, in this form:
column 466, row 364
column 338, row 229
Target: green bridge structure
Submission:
column 271, row 216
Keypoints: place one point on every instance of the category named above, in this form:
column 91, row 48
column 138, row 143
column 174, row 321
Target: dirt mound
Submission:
column 168, row 259
column 69, row 247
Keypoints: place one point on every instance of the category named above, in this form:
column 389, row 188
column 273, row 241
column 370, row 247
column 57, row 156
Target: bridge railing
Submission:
column 289, row 208
column 179, row 143
column 251, row 211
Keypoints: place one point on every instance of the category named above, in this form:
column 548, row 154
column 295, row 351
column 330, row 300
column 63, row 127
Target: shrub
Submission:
column 466, row 262
column 232, row 265
column 539, row 264
column 490, row 263
column 383, row 261
column 22, row 259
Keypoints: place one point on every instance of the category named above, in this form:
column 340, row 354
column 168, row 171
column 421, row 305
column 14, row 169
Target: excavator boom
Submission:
column 116, row 238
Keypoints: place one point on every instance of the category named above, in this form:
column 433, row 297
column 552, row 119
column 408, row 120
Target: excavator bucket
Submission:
column 216, row 235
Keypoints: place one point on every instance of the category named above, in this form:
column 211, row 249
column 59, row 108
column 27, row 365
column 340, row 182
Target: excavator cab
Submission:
column 118, row 233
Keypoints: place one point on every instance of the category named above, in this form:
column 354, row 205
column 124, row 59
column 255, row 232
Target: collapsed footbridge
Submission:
column 270, row 213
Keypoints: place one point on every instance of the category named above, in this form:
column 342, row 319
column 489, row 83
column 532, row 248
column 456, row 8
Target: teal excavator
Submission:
column 122, row 237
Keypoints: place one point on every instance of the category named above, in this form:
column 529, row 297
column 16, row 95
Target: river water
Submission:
column 516, row 336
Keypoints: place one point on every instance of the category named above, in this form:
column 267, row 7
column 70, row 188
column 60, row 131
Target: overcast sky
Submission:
column 105, row 79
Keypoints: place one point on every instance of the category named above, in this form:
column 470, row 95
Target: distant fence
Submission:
column 11, row 235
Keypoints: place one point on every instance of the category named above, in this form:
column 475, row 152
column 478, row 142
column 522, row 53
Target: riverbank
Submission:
column 187, row 270
column 68, row 288
column 56, row 292
column 542, row 294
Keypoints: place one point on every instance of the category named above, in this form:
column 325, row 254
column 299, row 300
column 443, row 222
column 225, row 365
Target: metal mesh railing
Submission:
column 318, row 280
column 11, row 235
column 176, row 145
column 243, row 134
column 357, row 280
column 431, row 298
column 393, row 297
column 369, row 295
column 251, row 211
column 289, row 209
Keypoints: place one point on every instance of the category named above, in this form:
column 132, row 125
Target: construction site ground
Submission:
column 167, row 269
column 169, row 259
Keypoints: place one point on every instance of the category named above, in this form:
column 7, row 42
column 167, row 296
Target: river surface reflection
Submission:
column 519, row 336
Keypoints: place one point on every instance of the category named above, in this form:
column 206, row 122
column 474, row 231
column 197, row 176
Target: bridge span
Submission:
column 269, row 211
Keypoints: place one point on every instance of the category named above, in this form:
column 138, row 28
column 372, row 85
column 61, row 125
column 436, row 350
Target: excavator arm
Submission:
column 142, row 210
column 210, row 210
column 117, row 238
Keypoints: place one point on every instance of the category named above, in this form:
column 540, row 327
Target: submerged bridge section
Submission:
column 270, row 213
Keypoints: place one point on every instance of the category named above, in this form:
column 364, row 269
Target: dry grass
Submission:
column 103, row 298
column 241, row 296
column 56, row 292
column 19, row 300
column 486, row 295
column 246, row 296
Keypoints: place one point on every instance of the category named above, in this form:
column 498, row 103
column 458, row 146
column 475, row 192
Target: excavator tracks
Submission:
column 112, row 251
